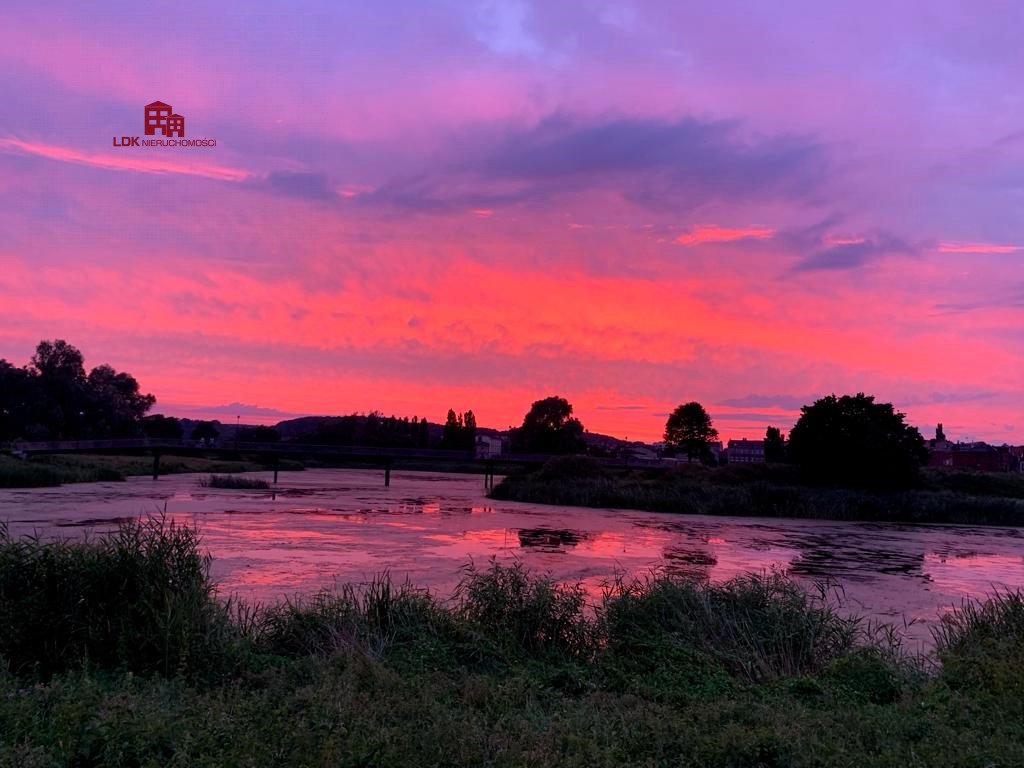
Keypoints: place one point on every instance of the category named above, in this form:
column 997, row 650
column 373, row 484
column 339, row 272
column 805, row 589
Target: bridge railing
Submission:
column 385, row 454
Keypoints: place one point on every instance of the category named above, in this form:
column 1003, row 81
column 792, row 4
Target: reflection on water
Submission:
column 550, row 539
column 322, row 526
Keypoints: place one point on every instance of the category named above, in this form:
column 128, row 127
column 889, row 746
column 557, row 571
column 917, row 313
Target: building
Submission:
column 746, row 451
column 488, row 446
column 977, row 456
column 156, row 118
column 176, row 126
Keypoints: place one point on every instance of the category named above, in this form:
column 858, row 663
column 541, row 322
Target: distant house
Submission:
column 977, row 456
column 488, row 446
column 746, row 451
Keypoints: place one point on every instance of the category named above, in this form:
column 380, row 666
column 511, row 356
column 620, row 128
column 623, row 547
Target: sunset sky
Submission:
column 422, row 205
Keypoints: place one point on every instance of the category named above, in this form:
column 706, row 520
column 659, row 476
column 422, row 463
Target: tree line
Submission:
column 849, row 438
column 53, row 397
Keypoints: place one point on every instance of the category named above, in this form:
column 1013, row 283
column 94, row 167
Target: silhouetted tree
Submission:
column 549, row 427
column 61, row 396
column 161, row 427
column 855, row 441
column 689, row 430
column 53, row 398
column 115, row 403
column 451, row 431
column 258, row 434
column 774, row 446
column 205, row 431
column 459, row 431
column 17, row 388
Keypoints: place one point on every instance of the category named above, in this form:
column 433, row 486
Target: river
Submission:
column 319, row 527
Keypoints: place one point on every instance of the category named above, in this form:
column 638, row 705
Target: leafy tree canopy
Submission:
column 53, row 398
column 459, row 431
column 855, row 441
column 549, row 427
column 689, row 430
column 774, row 445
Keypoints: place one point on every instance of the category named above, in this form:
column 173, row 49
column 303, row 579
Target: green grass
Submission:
column 51, row 470
column 769, row 491
column 237, row 483
column 118, row 652
column 15, row 473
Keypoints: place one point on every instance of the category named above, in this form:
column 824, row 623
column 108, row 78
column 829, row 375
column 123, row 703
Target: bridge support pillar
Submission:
column 156, row 465
column 275, row 470
column 387, row 473
column 488, row 476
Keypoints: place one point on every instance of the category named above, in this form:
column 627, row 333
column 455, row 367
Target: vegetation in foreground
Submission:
column 53, row 470
column 118, row 652
column 975, row 498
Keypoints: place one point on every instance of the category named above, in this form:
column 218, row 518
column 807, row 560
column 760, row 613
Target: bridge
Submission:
column 272, row 453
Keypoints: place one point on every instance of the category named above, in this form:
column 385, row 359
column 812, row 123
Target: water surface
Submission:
column 322, row 526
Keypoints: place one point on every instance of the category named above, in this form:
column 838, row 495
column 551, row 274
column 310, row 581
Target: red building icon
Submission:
column 160, row 118
column 176, row 126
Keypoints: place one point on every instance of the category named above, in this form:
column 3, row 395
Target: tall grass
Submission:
column 139, row 599
column 369, row 619
column 512, row 669
column 236, row 483
column 757, row 626
column 19, row 473
column 999, row 617
column 536, row 615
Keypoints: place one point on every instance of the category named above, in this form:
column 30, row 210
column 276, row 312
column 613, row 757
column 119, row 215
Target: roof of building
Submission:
column 158, row 104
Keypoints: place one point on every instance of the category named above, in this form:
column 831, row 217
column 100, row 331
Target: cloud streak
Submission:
column 129, row 161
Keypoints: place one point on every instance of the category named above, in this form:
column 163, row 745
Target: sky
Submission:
column 415, row 206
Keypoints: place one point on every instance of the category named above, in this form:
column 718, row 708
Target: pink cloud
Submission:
column 982, row 248
column 144, row 160
column 711, row 233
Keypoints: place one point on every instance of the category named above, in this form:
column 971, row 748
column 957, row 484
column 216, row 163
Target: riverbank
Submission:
column 54, row 470
column 973, row 498
column 513, row 670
